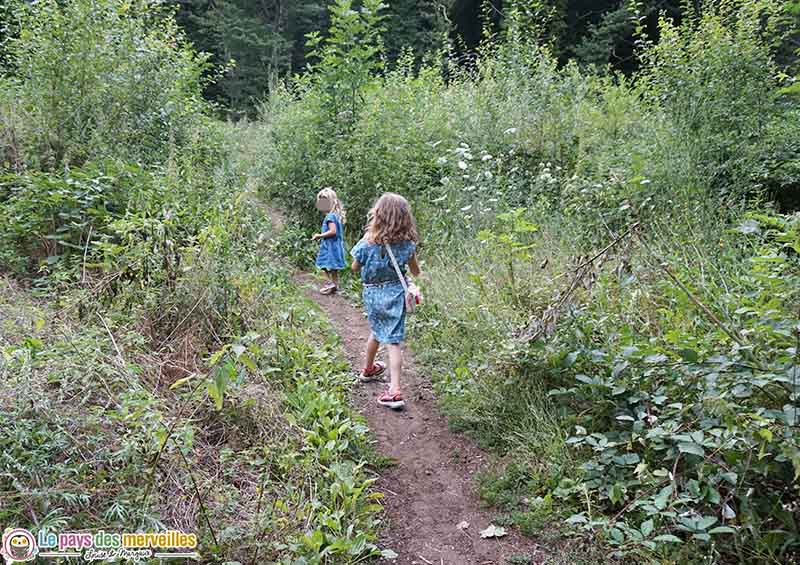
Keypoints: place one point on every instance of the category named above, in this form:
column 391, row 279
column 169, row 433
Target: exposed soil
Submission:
column 429, row 491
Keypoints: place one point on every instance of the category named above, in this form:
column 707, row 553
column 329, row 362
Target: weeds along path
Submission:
column 429, row 491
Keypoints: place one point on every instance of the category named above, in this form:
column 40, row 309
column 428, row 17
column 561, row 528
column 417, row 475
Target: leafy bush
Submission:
column 102, row 79
column 691, row 434
column 50, row 215
column 716, row 80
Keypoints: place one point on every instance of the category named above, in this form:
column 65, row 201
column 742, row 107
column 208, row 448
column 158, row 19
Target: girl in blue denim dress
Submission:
column 390, row 223
column 330, row 257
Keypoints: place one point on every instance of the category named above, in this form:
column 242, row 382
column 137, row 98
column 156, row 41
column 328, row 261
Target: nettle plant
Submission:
column 511, row 243
column 692, row 437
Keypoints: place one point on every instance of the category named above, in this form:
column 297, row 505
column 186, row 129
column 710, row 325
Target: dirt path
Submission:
column 430, row 490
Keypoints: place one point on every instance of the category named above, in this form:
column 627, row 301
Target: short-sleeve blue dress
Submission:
column 331, row 249
column 384, row 297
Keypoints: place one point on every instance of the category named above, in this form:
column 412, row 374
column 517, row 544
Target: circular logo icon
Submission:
column 19, row 545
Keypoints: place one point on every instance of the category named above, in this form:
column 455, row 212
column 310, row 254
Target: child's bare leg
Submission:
column 395, row 366
column 334, row 276
column 372, row 351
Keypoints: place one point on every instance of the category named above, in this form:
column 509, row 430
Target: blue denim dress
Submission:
column 384, row 297
column 331, row 249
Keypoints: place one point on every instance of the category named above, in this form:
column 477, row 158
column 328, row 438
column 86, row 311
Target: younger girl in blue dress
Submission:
column 390, row 224
column 331, row 250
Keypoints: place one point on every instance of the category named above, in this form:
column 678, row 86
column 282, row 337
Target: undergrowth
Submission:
column 610, row 287
column 158, row 369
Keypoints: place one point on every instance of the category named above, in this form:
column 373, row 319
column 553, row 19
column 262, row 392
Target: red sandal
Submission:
column 373, row 373
column 394, row 401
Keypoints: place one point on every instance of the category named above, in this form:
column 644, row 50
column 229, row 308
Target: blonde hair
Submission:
column 390, row 220
column 336, row 204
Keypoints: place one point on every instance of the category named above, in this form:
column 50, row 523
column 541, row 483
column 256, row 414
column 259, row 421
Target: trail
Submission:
column 430, row 489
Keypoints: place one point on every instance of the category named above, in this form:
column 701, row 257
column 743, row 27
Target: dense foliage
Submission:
column 612, row 265
column 259, row 42
column 610, row 286
column 158, row 369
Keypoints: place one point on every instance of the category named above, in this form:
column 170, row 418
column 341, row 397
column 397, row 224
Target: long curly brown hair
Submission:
column 390, row 220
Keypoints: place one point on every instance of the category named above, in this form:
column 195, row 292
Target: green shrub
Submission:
column 715, row 78
column 49, row 216
column 689, row 424
column 93, row 80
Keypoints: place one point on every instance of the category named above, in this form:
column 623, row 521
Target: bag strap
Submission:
column 397, row 268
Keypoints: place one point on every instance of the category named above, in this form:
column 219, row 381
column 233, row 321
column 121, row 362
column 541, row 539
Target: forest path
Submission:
column 429, row 490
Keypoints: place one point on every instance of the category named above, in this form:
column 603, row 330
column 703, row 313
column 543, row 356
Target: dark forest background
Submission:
column 266, row 38
column 254, row 43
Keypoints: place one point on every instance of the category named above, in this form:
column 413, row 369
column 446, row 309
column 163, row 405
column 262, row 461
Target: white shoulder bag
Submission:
column 412, row 294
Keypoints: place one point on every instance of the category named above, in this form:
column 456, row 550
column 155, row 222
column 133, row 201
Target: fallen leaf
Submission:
column 388, row 554
column 463, row 525
column 493, row 532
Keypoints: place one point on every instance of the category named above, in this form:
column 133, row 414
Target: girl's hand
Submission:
column 315, row 237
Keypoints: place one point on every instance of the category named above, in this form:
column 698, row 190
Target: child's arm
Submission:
column 356, row 266
column 414, row 266
column 330, row 233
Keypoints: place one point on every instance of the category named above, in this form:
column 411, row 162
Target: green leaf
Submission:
column 669, row 538
column 388, row 554
column 722, row 530
column 215, row 394
column 616, row 493
column 577, row 519
column 248, row 362
column 662, row 499
column 706, row 522
column 656, row 359
column 646, row 528
column 692, row 448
